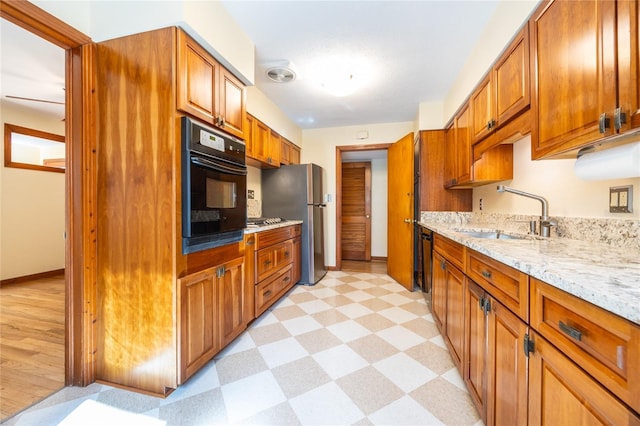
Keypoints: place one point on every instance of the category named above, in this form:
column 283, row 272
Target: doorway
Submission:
column 79, row 258
column 359, row 196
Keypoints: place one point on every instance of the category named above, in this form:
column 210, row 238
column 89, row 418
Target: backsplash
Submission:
column 254, row 208
column 614, row 232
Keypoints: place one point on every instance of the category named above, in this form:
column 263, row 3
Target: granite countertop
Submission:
column 254, row 229
column 608, row 277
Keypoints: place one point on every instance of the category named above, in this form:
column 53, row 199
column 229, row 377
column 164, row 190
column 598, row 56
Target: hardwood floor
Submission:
column 31, row 342
column 374, row 267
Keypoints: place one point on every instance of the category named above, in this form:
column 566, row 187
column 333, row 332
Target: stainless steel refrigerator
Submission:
column 294, row 192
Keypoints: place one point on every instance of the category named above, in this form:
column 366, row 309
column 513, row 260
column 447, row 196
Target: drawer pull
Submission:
column 267, row 293
column 486, row 274
column 286, row 254
column 267, row 262
column 570, row 331
column 286, row 279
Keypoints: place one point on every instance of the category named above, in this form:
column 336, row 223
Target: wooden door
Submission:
column 197, row 79
column 511, row 77
column 439, row 292
column 482, row 109
column 508, row 367
column 356, row 211
column 232, row 300
column 475, row 350
column 400, row 212
column 199, row 327
column 463, row 146
column 231, row 104
column 561, row 393
column 455, row 314
column 628, row 32
column 574, row 74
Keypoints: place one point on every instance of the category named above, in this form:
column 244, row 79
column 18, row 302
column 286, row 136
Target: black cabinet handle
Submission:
column 267, row 293
column 267, row 262
column 570, row 331
column 443, row 265
column 486, row 274
column 286, row 279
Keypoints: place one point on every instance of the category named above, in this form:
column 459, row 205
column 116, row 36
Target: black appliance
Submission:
column 295, row 192
column 426, row 249
column 214, row 187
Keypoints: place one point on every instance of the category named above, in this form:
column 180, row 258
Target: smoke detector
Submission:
column 281, row 74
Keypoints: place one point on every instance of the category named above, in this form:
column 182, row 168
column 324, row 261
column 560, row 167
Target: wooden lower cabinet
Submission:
column 211, row 314
column 454, row 324
column 561, row 393
column 496, row 368
column 439, row 292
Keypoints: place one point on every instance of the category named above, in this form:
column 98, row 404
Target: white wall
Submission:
column 555, row 180
column 319, row 147
column 207, row 21
column 379, row 207
column 32, row 207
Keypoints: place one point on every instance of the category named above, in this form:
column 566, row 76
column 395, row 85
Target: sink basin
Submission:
column 495, row 235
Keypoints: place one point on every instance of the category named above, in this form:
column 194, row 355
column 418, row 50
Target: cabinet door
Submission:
column 574, row 74
column 199, row 327
column 285, row 152
column 455, row 314
column 482, row 101
column 197, row 76
column 450, row 157
column 511, row 79
column 507, row 374
column 248, row 134
column 475, row 330
column 274, row 148
column 463, row 146
column 294, row 155
column 561, row 393
column 231, row 104
column 629, row 63
column 261, row 135
column 232, row 300
column 439, row 292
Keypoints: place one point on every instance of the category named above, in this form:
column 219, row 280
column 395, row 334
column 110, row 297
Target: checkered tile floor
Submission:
column 356, row 348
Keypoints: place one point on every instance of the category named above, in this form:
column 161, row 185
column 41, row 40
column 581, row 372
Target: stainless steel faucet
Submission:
column 545, row 223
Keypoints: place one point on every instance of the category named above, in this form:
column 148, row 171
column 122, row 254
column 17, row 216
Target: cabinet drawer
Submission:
column 450, row 250
column 273, row 258
column 270, row 290
column 605, row 345
column 509, row 286
column 273, row 236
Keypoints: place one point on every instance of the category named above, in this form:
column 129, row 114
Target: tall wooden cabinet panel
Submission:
column 207, row 90
column 574, row 70
column 463, row 146
column 628, row 32
column 483, row 102
column 454, row 323
column 475, row 346
column 137, row 159
column 562, row 393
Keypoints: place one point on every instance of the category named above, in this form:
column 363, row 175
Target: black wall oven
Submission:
column 214, row 187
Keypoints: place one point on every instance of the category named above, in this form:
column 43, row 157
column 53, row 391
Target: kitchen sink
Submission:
column 494, row 235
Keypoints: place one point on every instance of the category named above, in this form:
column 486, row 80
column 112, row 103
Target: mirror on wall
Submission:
column 26, row 148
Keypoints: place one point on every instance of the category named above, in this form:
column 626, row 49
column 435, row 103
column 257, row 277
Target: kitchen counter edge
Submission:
column 256, row 229
column 605, row 276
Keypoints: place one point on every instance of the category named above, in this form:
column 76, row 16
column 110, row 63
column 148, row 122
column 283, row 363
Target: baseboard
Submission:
column 32, row 277
column 332, row 268
column 379, row 258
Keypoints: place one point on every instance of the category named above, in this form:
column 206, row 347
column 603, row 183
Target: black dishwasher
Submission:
column 426, row 238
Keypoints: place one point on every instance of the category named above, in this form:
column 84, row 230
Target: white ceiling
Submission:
column 415, row 50
column 31, row 67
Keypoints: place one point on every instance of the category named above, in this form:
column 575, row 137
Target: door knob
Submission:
column 367, row 216
column 407, row 221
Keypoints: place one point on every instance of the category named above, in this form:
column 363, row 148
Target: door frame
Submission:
column 80, row 186
column 339, row 151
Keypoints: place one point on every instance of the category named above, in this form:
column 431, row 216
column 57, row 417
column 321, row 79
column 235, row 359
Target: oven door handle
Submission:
column 218, row 166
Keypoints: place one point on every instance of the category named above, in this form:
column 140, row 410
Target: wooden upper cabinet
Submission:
column 208, row 91
column 232, row 102
column 574, row 74
column 482, row 104
column 197, row 79
column 462, row 134
column 505, row 91
column 295, row 154
column 261, row 135
column 289, row 152
column 274, row 148
column 629, row 63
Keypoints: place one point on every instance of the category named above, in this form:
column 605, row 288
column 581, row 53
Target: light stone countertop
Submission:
column 608, row 277
column 254, row 229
